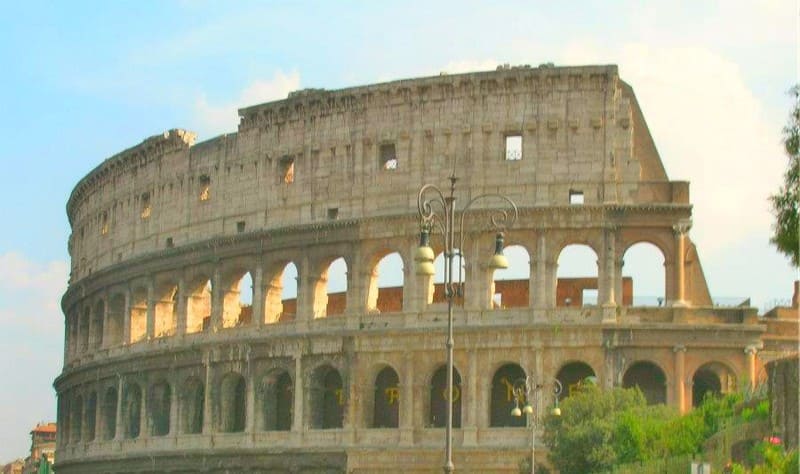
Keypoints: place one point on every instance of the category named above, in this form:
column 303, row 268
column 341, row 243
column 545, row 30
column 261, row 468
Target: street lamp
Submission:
column 528, row 393
column 437, row 210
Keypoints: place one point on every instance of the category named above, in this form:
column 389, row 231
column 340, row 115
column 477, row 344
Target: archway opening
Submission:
column 116, row 314
column 278, row 397
column 712, row 379
column 77, row 419
column 159, row 404
column 643, row 276
column 133, row 407
column 512, row 284
column 232, row 403
column 650, row 379
column 386, row 285
column 193, row 406
column 91, row 416
column 573, row 377
column 138, row 314
column 98, row 321
column 330, row 297
column 84, row 330
column 281, row 295
column 439, row 398
column 327, row 398
column 237, row 299
column 577, row 277
column 198, row 307
column 110, row 413
column 504, row 399
column 459, row 275
column 386, row 406
column 166, row 308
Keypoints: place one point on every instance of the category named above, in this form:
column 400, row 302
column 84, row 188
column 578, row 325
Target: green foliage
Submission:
column 786, row 202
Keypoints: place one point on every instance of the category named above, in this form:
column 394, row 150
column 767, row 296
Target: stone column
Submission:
column 209, row 394
column 120, row 424
column 356, row 296
column 183, row 305
column 679, row 277
column 126, row 317
column 151, row 309
column 106, row 316
column 407, row 401
column 305, row 292
column 217, row 299
column 540, row 283
column 551, row 283
column 90, row 340
column 750, row 352
column 258, row 296
column 250, row 405
column 78, row 333
column 470, row 403
column 679, row 377
column 609, row 276
column 298, row 422
column 174, row 419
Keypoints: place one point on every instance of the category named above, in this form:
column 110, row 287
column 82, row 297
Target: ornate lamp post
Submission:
column 528, row 394
column 437, row 211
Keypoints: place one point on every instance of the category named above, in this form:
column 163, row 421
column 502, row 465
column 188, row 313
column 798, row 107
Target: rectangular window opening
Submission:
column 388, row 157
column 575, row 197
column 333, row 213
column 205, row 187
column 513, row 147
column 589, row 297
column 287, row 169
column 240, row 226
column 170, row 243
column 104, row 226
column 146, row 208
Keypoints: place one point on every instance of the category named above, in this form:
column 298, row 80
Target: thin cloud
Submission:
column 214, row 119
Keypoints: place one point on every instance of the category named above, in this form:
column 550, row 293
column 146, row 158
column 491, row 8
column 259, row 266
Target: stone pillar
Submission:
column 90, row 340
column 144, row 414
column 540, row 283
column 750, row 352
column 258, row 296
column 217, row 299
column 78, row 333
column 106, row 316
column 608, row 282
column 209, row 394
column 679, row 277
column 183, row 305
column 120, row 424
column 470, row 403
column 679, row 377
column 407, row 401
column 151, row 309
column 356, row 295
column 126, row 318
column 305, row 292
column 298, row 421
column 551, row 283
column 250, row 405
column 410, row 299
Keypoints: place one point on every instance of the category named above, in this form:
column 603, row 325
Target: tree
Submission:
column 785, row 202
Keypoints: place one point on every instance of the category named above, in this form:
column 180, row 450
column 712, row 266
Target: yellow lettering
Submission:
column 456, row 394
column 339, row 396
column 392, row 395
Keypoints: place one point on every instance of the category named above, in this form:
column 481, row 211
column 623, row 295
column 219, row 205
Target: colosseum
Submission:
column 227, row 311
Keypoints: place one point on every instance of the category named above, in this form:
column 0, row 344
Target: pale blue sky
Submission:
column 84, row 80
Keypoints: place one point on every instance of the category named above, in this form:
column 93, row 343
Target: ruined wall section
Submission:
column 320, row 155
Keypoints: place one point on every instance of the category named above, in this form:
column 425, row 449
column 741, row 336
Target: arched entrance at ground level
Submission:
column 387, row 399
column 233, row 406
column 711, row 380
column 649, row 378
column 504, row 400
column 192, row 405
column 572, row 377
column 438, row 398
column 278, row 395
column 327, row 398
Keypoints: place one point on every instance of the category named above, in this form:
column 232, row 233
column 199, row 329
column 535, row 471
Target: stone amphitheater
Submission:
column 184, row 351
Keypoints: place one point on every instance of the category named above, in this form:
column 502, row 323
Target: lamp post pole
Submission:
column 529, row 392
column 437, row 210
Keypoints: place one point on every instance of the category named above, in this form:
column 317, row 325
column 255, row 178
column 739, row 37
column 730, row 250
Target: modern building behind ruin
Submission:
column 167, row 370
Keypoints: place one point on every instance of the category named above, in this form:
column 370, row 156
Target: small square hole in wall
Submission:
column 240, row 226
column 170, row 243
column 333, row 213
column 575, row 197
column 388, row 157
column 287, row 169
column 513, row 147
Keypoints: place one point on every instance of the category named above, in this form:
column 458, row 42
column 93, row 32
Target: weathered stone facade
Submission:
column 166, row 372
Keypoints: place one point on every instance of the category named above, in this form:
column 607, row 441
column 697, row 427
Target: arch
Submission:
column 711, row 379
column 138, row 321
column 278, row 396
column 511, row 286
column 237, row 298
column 327, row 398
column 159, row 406
column 649, row 378
column 198, row 305
column 386, row 406
column 192, row 406
column 132, row 410
column 644, row 280
column 386, row 284
column 110, row 401
column 63, row 414
column 77, row 419
column 503, row 398
column 91, row 416
column 84, row 329
column 437, row 416
column 166, row 308
column 577, row 276
column 572, row 376
column 98, row 320
column 232, row 403
column 281, row 295
column 115, row 319
column 330, row 291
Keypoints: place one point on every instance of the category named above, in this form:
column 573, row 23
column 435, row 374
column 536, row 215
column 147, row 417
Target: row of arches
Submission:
column 161, row 409
column 168, row 304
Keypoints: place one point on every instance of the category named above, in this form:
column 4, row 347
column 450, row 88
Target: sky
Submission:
column 82, row 81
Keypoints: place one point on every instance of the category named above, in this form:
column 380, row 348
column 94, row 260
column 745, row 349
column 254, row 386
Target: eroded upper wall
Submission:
column 581, row 131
